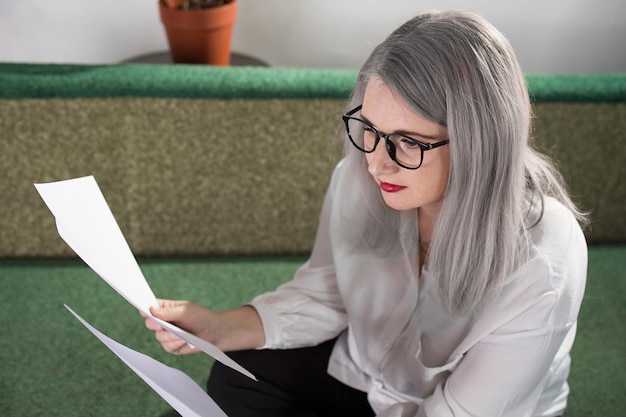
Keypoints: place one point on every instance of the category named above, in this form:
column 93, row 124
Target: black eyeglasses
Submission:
column 403, row 150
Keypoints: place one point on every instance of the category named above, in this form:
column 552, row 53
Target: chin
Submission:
column 398, row 205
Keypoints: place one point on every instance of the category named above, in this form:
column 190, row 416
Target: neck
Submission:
column 426, row 223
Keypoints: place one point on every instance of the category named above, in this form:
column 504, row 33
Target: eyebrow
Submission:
column 399, row 132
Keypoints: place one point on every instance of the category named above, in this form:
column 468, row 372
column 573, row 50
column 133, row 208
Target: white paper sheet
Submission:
column 85, row 222
column 174, row 386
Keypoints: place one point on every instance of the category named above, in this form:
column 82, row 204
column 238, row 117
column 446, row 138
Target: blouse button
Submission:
column 385, row 344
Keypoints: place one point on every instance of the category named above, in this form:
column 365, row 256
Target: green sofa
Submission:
column 216, row 178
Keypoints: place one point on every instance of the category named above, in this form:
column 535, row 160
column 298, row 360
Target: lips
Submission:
column 391, row 188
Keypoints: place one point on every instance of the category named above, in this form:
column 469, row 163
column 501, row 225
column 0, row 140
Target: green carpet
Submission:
column 52, row 366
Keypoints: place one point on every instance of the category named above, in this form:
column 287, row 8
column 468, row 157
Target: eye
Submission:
column 410, row 144
column 369, row 130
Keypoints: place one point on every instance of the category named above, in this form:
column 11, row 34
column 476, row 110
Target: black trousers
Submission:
column 291, row 383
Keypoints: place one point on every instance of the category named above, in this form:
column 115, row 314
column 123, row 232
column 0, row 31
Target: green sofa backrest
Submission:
column 202, row 161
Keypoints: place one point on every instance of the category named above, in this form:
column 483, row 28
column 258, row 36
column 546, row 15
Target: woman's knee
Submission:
column 239, row 395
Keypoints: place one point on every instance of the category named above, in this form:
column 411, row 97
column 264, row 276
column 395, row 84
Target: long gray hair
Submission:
column 457, row 70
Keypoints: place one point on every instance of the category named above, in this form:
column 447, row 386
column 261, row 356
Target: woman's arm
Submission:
column 303, row 312
column 236, row 329
column 309, row 309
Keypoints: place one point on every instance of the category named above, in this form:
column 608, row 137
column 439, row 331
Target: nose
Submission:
column 379, row 162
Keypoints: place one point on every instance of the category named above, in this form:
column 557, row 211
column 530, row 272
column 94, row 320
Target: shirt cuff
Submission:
column 269, row 319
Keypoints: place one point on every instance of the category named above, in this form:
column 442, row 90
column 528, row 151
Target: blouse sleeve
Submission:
column 309, row 309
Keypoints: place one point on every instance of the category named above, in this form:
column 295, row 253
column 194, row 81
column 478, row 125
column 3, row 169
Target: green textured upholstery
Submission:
column 198, row 160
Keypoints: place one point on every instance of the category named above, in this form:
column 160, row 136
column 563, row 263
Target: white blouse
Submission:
column 398, row 343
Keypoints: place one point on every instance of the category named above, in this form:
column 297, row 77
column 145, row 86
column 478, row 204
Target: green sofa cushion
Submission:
column 198, row 160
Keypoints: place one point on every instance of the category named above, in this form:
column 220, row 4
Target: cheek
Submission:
column 440, row 168
column 432, row 182
column 445, row 176
column 440, row 182
column 441, row 188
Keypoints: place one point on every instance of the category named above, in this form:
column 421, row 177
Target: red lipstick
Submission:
column 391, row 188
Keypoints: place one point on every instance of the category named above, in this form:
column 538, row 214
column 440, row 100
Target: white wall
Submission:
column 548, row 35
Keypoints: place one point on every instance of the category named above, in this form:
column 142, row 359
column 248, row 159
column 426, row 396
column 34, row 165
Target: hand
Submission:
column 235, row 329
column 191, row 317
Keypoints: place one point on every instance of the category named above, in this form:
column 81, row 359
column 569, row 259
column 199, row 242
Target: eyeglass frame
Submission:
column 389, row 145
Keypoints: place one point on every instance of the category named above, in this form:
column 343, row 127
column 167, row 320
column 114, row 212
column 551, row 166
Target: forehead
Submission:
column 379, row 97
column 389, row 112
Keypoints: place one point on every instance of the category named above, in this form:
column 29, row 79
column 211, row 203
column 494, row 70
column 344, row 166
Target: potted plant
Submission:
column 199, row 31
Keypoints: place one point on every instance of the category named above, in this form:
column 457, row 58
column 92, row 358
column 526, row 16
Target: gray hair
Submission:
column 457, row 70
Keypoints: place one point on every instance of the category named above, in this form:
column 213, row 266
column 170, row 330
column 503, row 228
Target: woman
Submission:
column 449, row 264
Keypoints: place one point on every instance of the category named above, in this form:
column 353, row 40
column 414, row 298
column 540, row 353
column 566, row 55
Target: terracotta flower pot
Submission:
column 200, row 36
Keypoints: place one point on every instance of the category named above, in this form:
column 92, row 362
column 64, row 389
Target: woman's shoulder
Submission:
column 558, row 232
column 557, row 262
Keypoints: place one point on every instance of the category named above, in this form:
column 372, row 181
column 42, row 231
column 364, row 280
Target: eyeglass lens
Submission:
column 404, row 150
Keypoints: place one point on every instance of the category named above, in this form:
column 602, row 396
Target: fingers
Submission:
column 152, row 325
column 169, row 342
column 172, row 344
column 162, row 311
column 170, row 311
